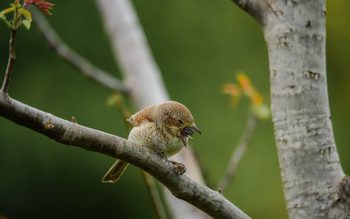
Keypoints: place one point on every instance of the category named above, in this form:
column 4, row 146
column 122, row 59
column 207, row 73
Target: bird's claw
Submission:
column 163, row 155
column 179, row 168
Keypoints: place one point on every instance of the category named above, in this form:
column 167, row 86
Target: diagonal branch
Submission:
column 70, row 133
column 74, row 58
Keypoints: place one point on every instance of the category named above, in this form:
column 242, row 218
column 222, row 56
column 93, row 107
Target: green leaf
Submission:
column 26, row 13
column 7, row 10
column 262, row 112
column 3, row 17
column 27, row 23
column 16, row 5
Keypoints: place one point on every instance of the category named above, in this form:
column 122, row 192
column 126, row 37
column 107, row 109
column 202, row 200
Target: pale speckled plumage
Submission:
column 159, row 128
column 156, row 138
column 152, row 130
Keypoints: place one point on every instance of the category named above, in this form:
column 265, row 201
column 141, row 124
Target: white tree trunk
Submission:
column 310, row 167
column 314, row 183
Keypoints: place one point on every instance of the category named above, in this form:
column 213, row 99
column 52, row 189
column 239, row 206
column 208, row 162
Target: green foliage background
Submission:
column 198, row 45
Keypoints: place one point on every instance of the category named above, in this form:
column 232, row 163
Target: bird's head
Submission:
column 177, row 118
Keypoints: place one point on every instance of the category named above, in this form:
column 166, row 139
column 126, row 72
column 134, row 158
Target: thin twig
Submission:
column 74, row 58
column 70, row 133
column 11, row 61
column 239, row 151
column 155, row 196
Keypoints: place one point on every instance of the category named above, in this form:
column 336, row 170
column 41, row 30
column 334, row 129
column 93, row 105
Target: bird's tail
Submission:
column 115, row 172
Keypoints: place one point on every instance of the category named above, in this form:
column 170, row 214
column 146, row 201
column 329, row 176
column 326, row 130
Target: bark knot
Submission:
column 283, row 41
column 342, row 201
column 291, row 3
column 312, row 75
column 344, row 188
column 48, row 124
column 308, row 24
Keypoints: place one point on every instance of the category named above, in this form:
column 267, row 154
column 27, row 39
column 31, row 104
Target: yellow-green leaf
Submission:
column 8, row 10
column 262, row 112
column 27, row 23
column 26, row 13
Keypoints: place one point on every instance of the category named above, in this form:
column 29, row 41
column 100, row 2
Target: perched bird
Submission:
column 164, row 128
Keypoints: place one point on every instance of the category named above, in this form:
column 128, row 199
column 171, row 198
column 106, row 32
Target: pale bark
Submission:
column 143, row 77
column 132, row 52
column 71, row 133
column 310, row 167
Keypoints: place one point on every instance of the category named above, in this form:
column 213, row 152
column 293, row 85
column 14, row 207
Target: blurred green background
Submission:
column 198, row 45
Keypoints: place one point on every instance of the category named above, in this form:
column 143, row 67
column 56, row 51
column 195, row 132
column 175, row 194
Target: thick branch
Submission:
column 70, row 133
column 74, row 58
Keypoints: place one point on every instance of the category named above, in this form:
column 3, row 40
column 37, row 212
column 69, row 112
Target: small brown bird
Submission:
column 164, row 128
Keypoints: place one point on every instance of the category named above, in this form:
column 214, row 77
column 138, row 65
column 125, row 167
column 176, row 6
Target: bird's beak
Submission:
column 195, row 128
column 183, row 140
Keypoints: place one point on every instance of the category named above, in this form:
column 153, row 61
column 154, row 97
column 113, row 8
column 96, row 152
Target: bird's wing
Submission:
column 142, row 116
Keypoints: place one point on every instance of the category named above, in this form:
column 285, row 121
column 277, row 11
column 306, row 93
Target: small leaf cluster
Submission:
column 245, row 87
column 22, row 16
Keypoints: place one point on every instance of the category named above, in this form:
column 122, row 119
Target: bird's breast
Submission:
column 173, row 147
column 156, row 138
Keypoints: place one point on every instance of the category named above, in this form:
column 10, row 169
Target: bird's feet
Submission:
column 163, row 155
column 179, row 168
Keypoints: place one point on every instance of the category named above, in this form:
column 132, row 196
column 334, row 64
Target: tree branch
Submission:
column 79, row 62
column 70, row 133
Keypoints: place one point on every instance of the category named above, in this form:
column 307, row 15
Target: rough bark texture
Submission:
column 70, row 133
column 310, row 167
column 311, row 172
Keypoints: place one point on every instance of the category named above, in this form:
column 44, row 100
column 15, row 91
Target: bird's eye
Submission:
column 179, row 123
